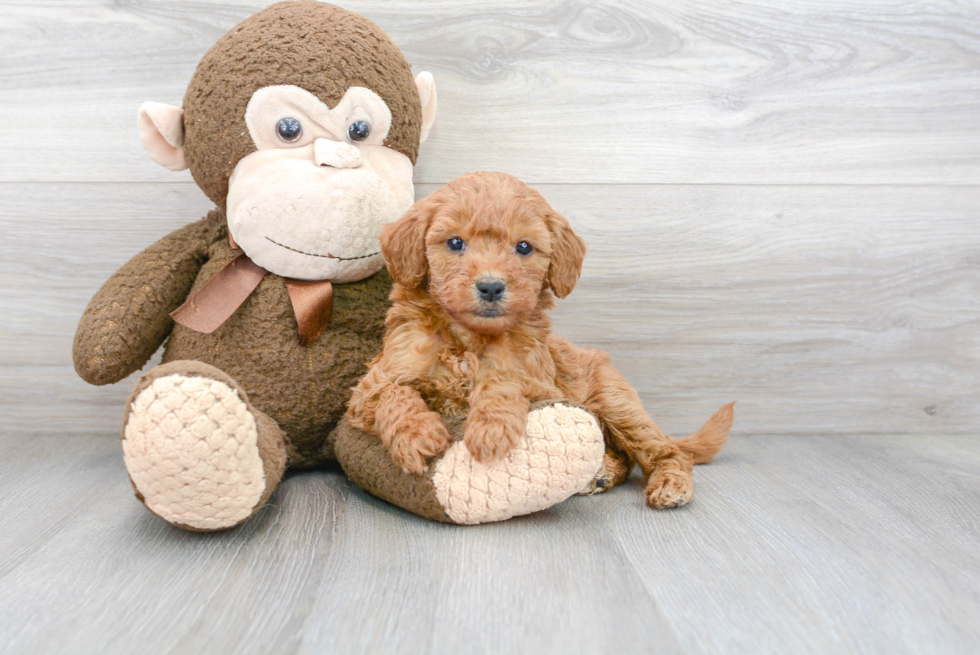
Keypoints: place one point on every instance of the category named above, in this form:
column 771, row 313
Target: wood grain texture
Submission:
column 554, row 91
column 847, row 309
column 781, row 205
column 808, row 544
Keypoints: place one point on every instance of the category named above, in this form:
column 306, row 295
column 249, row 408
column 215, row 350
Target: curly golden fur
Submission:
column 476, row 265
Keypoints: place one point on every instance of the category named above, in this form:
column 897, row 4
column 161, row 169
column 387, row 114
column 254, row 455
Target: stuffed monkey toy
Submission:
column 302, row 124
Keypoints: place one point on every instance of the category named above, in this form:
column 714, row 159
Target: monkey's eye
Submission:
column 524, row 248
column 455, row 244
column 289, row 129
column 358, row 130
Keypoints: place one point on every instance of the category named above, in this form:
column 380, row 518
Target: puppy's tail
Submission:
column 707, row 442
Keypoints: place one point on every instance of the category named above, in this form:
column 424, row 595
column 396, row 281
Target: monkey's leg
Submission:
column 199, row 455
column 558, row 454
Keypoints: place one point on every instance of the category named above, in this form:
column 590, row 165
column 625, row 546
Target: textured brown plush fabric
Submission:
column 369, row 465
column 304, row 389
column 129, row 318
column 286, row 44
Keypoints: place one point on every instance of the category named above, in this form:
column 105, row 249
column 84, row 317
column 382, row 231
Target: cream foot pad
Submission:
column 191, row 447
column 560, row 454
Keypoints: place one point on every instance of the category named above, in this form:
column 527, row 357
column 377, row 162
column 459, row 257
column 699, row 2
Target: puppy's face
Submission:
column 489, row 245
column 488, row 262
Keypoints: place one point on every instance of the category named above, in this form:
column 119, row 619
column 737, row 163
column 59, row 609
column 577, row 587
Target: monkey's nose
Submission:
column 337, row 154
column 490, row 289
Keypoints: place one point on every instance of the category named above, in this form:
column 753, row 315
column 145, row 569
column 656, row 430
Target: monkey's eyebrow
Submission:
column 329, row 256
column 305, row 115
column 274, row 102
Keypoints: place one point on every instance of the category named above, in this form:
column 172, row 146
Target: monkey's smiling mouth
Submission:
column 327, row 256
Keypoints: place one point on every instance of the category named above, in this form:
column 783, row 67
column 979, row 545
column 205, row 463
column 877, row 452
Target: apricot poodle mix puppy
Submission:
column 475, row 266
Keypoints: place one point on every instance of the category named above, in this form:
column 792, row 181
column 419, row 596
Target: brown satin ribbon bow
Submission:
column 217, row 300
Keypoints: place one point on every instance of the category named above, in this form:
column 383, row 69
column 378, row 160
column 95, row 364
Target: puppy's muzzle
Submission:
column 491, row 289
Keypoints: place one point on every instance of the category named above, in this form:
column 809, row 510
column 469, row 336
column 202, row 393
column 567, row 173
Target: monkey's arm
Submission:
column 128, row 319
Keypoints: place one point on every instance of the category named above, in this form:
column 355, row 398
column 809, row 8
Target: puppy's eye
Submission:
column 524, row 248
column 289, row 129
column 455, row 244
column 358, row 130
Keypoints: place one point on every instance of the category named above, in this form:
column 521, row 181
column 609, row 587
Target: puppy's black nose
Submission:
column 490, row 289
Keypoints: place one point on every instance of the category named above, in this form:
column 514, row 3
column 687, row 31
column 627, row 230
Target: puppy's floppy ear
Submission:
column 403, row 244
column 567, row 253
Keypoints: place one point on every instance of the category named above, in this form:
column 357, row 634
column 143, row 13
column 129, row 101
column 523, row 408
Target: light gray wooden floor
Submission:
column 815, row 544
column 782, row 205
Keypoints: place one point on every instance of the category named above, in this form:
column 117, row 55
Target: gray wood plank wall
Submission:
column 781, row 200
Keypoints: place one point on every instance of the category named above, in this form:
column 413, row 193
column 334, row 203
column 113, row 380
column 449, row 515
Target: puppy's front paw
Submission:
column 669, row 489
column 416, row 438
column 489, row 440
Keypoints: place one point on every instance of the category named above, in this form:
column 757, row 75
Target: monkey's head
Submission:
column 303, row 122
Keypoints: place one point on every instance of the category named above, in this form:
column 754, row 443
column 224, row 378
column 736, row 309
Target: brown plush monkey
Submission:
column 302, row 124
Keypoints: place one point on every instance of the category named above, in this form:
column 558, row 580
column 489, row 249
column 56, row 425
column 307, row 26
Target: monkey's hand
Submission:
column 129, row 317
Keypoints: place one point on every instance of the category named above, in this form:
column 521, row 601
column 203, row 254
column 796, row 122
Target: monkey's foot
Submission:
column 559, row 453
column 199, row 456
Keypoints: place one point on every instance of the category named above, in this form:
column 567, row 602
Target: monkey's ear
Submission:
column 161, row 130
column 427, row 94
column 403, row 244
column 567, row 254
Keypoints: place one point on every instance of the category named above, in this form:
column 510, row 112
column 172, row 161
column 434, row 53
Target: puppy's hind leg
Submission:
column 666, row 467
column 616, row 467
